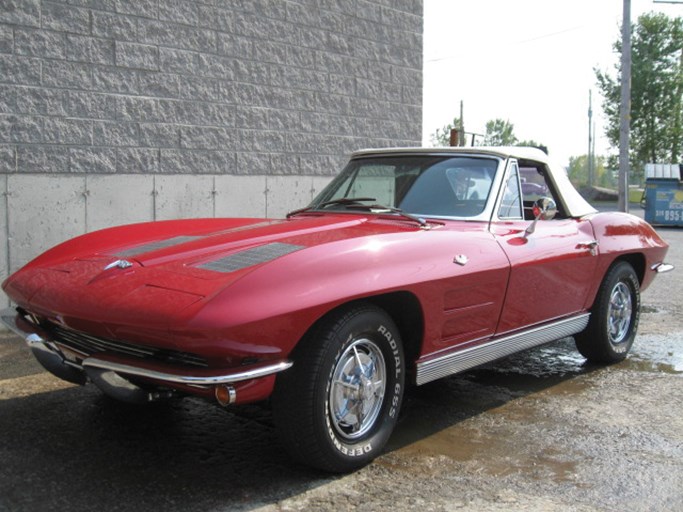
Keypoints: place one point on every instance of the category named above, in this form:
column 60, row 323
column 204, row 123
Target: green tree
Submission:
column 578, row 172
column 656, row 91
column 442, row 136
column 499, row 133
column 532, row 144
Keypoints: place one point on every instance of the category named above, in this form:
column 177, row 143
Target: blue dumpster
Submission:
column 664, row 199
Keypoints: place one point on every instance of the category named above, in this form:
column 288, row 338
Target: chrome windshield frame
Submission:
column 485, row 215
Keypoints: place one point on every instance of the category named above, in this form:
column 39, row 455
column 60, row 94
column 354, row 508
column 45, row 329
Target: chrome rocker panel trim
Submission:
column 459, row 361
column 52, row 358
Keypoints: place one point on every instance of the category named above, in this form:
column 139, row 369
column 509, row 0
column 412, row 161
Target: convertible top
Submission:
column 575, row 205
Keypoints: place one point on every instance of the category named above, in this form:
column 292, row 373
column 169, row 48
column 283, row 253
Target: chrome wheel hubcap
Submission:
column 357, row 389
column 619, row 313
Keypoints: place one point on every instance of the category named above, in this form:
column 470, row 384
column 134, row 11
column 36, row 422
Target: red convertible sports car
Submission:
column 411, row 265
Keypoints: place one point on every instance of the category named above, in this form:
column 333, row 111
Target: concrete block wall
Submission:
column 118, row 111
column 43, row 210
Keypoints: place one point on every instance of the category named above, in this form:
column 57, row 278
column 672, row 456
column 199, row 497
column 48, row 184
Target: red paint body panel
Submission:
column 345, row 257
column 622, row 235
column 262, row 311
column 551, row 274
column 314, row 281
column 473, row 281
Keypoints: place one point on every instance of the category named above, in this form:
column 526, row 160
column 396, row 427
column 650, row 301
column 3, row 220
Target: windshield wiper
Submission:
column 345, row 201
column 378, row 208
column 351, row 203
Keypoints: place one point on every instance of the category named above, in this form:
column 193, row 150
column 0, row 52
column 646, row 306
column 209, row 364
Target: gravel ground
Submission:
column 540, row 431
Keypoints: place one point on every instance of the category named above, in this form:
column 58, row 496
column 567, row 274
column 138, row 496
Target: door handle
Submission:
column 591, row 245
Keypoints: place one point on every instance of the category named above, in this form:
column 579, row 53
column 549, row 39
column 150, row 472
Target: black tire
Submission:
column 316, row 403
column 614, row 318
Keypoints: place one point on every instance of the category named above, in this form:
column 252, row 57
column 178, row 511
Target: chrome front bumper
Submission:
column 101, row 367
column 662, row 267
column 44, row 350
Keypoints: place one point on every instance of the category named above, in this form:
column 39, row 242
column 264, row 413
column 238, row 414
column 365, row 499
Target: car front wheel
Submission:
column 337, row 406
column 614, row 317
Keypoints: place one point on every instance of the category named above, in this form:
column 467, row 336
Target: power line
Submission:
column 516, row 43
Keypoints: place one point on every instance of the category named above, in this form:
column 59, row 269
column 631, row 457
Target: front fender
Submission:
column 269, row 309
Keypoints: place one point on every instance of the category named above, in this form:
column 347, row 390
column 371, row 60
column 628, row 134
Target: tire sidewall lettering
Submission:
column 393, row 345
column 391, row 349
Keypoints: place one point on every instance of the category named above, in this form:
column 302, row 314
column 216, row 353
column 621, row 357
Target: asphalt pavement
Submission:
column 538, row 431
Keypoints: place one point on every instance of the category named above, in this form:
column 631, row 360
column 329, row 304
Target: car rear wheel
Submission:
column 614, row 318
column 337, row 406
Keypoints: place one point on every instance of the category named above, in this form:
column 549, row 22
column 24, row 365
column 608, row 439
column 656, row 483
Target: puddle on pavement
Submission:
column 475, row 418
column 492, row 449
column 649, row 309
column 438, row 430
column 657, row 353
column 536, row 369
column 560, row 361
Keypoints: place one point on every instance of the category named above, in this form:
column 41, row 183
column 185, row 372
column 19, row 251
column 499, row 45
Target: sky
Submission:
column 527, row 61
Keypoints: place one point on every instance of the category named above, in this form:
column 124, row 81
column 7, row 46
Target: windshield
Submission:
column 439, row 186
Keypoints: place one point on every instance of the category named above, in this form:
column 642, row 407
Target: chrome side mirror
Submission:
column 544, row 209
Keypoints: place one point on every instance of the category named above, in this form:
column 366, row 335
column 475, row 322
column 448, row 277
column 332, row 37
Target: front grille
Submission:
column 90, row 345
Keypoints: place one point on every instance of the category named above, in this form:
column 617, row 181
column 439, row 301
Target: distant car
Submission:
column 411, row 265
column 530, row 189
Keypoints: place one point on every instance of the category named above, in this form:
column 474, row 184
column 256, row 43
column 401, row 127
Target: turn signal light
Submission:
column 225, row 395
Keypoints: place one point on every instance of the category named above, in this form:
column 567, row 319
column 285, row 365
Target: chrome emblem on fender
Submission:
column 119, row 264
column 461, row 260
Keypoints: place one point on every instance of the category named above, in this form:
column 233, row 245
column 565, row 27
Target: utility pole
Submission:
column 593, row 152
column 461, row 142
column 625, row 108
column 589, row 157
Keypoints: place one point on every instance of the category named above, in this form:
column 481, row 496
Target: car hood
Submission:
column 142, row 275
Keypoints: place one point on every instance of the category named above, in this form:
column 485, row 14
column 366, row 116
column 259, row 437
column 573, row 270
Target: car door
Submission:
column 551, row 268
